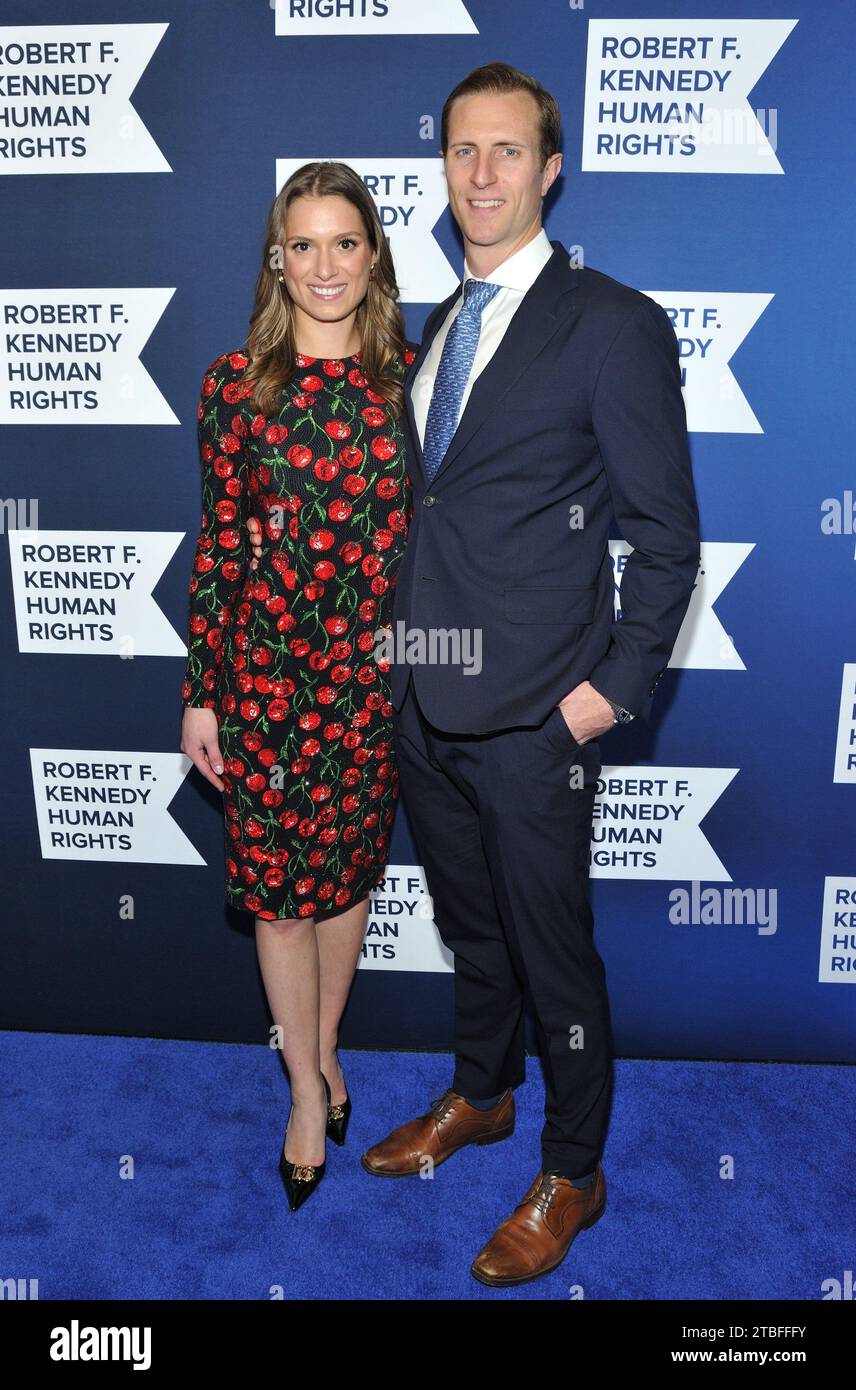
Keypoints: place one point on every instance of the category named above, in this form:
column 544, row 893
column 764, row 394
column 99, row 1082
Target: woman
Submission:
column 286, row 711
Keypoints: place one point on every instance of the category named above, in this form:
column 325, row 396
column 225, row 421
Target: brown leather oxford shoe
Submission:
column 537, row 1235
column 441, row 1131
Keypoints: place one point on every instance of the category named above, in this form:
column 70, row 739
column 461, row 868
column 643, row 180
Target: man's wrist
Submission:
column 622, row 715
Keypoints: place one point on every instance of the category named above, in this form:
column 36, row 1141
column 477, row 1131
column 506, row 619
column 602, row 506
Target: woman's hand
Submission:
column 200, row 742
column 255, row 530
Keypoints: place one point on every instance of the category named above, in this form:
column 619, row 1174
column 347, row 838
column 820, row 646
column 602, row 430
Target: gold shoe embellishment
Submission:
column 335, row 1112
column 303, row 1172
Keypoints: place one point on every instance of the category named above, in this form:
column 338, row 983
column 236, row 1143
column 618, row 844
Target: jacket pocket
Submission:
column 574, row 604
column 558, row 731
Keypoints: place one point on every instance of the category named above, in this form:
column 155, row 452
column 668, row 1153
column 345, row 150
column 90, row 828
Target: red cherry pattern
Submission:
column 284, row 654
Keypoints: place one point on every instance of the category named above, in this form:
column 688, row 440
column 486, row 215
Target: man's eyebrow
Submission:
column 453, row 143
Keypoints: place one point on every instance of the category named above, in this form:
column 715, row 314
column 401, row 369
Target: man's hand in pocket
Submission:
column 586, row 712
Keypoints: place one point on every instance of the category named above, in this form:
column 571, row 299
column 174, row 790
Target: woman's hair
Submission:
column 379, row 321
column 502, row 77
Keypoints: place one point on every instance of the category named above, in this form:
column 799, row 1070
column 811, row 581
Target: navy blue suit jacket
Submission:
column 580, row 407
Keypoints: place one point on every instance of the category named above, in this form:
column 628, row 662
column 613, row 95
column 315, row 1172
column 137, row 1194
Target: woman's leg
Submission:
column 339, row 942
column 288, row 958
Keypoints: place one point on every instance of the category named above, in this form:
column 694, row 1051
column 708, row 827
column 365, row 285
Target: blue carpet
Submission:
column 205, row 1216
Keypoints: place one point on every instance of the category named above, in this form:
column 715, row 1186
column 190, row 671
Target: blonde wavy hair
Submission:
column 379, row 320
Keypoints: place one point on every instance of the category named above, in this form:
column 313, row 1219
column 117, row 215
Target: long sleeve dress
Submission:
column 284, row 654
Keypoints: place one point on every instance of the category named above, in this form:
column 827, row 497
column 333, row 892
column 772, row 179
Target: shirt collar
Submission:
column 520, row 271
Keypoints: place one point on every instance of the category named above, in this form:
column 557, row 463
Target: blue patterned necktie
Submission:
column 453, row 373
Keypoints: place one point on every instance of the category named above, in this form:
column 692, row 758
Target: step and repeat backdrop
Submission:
column 708, row 161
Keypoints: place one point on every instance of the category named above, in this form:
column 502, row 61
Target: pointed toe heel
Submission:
column 337, row 1117
column 301, row 1179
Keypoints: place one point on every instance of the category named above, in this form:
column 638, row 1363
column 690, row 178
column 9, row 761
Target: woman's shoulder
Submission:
column 229, row 365
column 224, row 378
column 410, row 351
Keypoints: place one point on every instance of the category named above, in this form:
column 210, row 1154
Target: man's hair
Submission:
column 502, row 77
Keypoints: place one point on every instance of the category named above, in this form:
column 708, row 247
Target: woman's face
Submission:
column 327, row 257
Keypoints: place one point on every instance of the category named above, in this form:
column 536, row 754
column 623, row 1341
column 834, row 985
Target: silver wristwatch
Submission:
column 622, row 715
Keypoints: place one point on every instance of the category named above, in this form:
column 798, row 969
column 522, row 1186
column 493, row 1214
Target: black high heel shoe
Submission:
column 337, row 1117
column 301, row 1179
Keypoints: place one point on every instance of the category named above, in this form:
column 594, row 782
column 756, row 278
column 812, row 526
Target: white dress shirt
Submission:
column 516, row 275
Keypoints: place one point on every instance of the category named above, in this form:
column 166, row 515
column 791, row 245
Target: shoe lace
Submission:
column 543, row 1196
column 442, row 1105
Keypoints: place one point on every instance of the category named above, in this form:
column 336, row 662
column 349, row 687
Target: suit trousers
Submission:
column 502, row 823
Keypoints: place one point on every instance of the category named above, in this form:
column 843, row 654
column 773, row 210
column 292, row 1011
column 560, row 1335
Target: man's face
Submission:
column 493, row 169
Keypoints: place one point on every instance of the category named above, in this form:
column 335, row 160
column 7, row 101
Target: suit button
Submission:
column 428, row 501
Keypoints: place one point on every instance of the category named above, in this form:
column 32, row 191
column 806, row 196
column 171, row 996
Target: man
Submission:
column 543, row 400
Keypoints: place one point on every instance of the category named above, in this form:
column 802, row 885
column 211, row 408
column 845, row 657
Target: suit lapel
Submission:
column 540, row 313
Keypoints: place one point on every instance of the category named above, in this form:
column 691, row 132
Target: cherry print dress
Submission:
column 284, row 654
